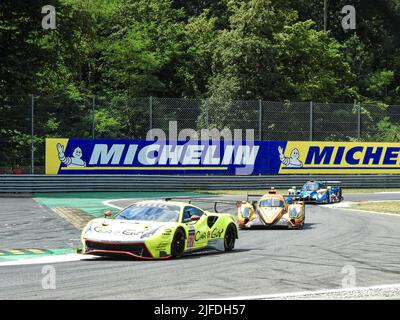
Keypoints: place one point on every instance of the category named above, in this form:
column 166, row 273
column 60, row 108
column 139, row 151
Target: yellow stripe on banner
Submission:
column 142, row 168
column 327, row 157
column 16, row 251
column 52, row 161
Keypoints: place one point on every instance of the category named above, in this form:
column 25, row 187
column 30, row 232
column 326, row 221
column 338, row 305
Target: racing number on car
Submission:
column 191, row 236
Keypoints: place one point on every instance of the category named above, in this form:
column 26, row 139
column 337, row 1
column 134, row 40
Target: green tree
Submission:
column 312, row 66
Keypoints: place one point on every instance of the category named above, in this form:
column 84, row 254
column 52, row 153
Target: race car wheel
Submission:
column 178, row 244
column 230, row 238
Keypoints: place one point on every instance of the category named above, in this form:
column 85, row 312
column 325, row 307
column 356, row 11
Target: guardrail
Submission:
column 86, row 183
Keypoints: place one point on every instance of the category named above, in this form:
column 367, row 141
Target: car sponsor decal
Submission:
column 200, row 236
column 102, row 230
column 191, row 236
column 162, row 246
column 216, row 233
column 167, row 232
column 131, row 232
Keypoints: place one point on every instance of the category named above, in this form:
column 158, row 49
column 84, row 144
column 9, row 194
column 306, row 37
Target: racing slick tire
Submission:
column 230, row 238
column 178, row 244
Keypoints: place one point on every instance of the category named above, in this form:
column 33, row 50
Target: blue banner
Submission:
column 121, row 156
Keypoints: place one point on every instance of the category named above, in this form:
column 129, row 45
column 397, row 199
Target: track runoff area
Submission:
column 341, row 253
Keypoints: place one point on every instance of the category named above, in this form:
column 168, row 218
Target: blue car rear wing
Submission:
column 331, row 182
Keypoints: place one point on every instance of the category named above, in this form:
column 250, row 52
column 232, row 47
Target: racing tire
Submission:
column 230, row 238
column 178, row 244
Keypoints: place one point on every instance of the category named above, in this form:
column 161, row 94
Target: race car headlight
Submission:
column 294, row 212
column 150, row 233
column 245, row 212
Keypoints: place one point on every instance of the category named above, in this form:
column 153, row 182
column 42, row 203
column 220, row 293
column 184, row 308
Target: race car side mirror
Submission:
column 194, row 217
column 107, row 214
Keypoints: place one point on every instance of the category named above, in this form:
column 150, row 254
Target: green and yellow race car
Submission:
column 159, row 229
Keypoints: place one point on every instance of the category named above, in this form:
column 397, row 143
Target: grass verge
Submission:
column 385, row 207
column 284, row 191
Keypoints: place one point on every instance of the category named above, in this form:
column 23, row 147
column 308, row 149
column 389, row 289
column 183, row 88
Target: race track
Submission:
column 264, row 262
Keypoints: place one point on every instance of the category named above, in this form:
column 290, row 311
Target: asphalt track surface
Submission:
column 264, row 262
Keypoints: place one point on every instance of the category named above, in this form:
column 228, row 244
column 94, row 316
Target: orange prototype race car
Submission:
column 271, row 209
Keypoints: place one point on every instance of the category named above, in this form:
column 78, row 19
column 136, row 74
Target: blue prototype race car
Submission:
column 317, row 192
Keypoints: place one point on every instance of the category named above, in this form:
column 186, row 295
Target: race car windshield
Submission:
column 158, row 212
column 271, row 203
column 311, row 186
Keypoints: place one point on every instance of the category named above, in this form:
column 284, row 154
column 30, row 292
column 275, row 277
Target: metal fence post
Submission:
column 32, row 135
column 93, row 116
column 260, row 119
column 207, row 120
column 359, row 120
column 151, row 112
column 311, row 120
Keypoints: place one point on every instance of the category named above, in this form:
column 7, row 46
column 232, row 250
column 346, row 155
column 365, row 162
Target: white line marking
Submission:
column 371, row 193
column 374, row 212
column 373, row 201
column 48, row 259
column 311, row 293
column 347, row 206
column 387, row 192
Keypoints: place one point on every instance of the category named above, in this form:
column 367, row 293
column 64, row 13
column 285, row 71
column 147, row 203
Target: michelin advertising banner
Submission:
column 119, row 156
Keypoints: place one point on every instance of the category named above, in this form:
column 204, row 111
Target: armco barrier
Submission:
column 80, row 183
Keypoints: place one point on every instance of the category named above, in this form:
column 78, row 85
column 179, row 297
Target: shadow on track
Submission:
column 193, row 255
column 307, row 226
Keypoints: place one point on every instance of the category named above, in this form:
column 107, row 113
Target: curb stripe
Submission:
column 22, row 251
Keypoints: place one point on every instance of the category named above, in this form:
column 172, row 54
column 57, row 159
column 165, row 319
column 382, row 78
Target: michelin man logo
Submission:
column 291, row 162
column 74, row 161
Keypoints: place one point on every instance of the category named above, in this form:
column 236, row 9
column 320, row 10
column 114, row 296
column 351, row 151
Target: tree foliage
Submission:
column 226, row 50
